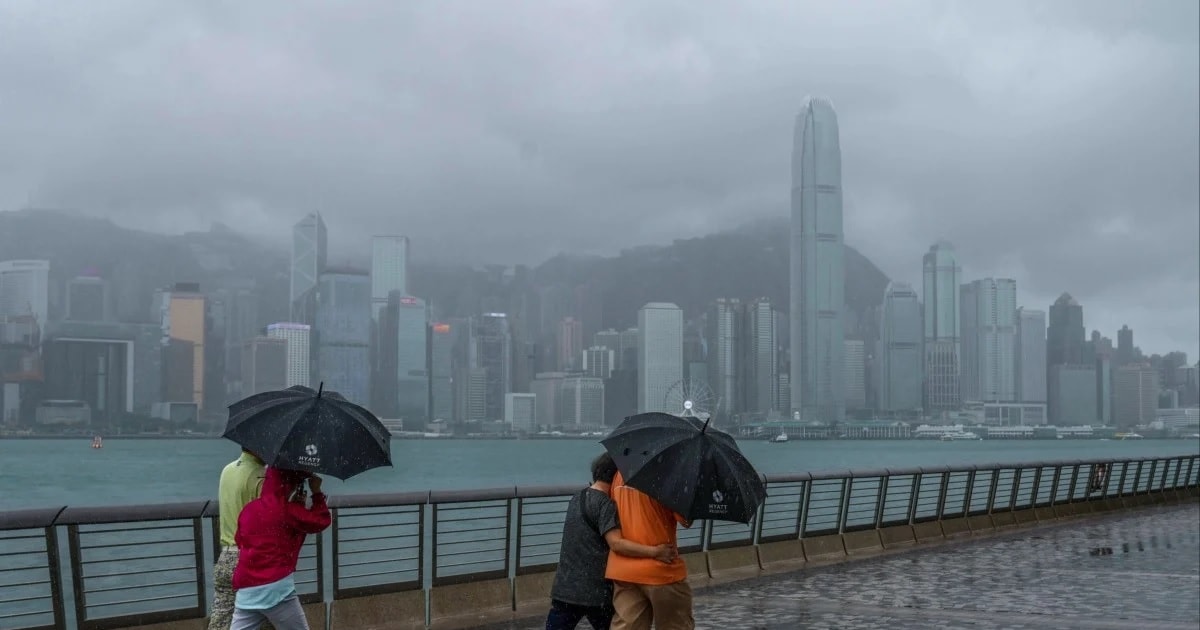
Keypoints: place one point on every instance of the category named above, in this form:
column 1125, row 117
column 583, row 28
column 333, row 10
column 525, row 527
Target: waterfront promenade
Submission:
column 1002, row 544
column 1136, row 569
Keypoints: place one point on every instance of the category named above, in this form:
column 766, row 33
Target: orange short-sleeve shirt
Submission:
column 648, row 522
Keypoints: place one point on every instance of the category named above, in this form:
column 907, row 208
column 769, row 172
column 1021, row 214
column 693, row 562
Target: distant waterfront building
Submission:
column 570, row 343
column 581, row 403
column 724, row 369
column 547, row 386
column 1031, row 355
column 343, row 332
column 1072, row 395
column 411, row 382
column 389, row 270
column 598, row 361
column 307, row 263
column 760, row 357
column 988, row 313
column 493, row 353
column 520, row 412
column 264, row 365
column 898, row 356
column 1124, row 346
column 25, row 289
column 113, row 367
column 856, row 373
column 1135, row 395
column 659, row 353
column 299, row 342
column 182, row 313
column 87, row 300
column 1065, row 336
column 441, row 371
column 943, row 328
column 817, row 276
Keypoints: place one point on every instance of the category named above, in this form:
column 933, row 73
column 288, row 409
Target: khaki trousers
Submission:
column 666, row 606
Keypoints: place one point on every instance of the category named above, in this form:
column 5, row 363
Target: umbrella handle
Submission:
column 320, row 388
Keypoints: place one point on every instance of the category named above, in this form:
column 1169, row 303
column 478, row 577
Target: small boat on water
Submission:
column 1128, row 436
column 97, row 442
column 955, row 436
column 778, row 439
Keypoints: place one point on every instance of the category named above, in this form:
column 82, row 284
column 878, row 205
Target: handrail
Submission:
column 138, row 564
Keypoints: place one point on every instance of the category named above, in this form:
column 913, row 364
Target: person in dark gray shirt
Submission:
column 590, row 529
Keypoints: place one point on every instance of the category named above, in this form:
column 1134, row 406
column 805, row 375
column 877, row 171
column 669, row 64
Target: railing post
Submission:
column 1121, row 481
column 913, row 495
column 879, row 503
column 198, row 549
column 77, row 575
column 1016, row 488
column 943, row 489
column 993, row 486
column 1178, row 469
column 1055, row 479
column 804, row 501
column 1162, row 478
column 759, row 515
column 844, row 509
column 520, row 531
column 54, row 566
column 1036, row 488
column 1074, row 483
column 969, row 493
column 1191, row 465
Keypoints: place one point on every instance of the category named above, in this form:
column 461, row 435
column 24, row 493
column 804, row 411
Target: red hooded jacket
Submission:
column 271, row 530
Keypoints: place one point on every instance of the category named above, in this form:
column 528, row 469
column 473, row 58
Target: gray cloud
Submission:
column 1056, row 143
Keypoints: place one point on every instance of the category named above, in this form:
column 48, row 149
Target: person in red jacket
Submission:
column 271, row 531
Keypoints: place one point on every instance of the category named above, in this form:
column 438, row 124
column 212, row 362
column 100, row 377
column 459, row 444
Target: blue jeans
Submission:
column 564, row 616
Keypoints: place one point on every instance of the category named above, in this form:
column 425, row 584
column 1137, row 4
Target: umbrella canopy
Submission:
column 697, row 471
column 316, row 431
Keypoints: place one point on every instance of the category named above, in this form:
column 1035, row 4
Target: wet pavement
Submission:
column 1135, row 570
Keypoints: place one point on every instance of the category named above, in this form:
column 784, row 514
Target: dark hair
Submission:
column 604, row 468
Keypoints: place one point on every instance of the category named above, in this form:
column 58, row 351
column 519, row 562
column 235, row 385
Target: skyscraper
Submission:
column 1124, row 346
column 988, row 314
column 493, row 353
column 856, row 373
column 411, row 382
column 25, row 289
column 1031, row 355
column 899, row 374
column 264, row 365
column 389, row 270
column 943, row 353
column 817, row 275
column 570, row 344
column 1135, row 395
column 659, row 354
column 308, row 262
column 299, row 343
column 1066, row 368
column 87, row 299
column 1066, row 334
column 343, row 332
column 181, row 310
column 441, row 371
column 724, row 369
column 760, row 364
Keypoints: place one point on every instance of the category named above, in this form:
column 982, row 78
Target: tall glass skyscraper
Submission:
column 898, row 369
column 389, row 270
column 817, row 273
column 1031, row 355
column 308, row 262
column 989, row 335
column 942, row 328
column 343, row 333
column 659, row 354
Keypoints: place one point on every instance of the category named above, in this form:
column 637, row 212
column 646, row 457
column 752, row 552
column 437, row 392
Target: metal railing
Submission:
column 114, row 567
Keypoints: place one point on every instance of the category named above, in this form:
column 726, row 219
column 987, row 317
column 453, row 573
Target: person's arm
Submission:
column 618, row 543
column 310, row 520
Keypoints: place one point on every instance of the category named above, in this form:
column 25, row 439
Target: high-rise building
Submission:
column 493, row 353
column 598, row 361
column 182, row 313
column 1124, row 346
column 581, row 403
column 546, row 387
column 898, row 369
column 817, row 276
column 87, row 300
column 760, row 358
column 264, row 365
column 724, row 368
column 1135, row 395
column 389, row 270
column 627, row 353
column 299, row 343
column 441, row 371
column 570, row 343
column 308, row 262
column 610, row 339
column 856, row 374
column 25, row 289
column 520, row 412
column 1065, row 336
column 988, row 315
column 1031, row 355
column 943, row 328
column 411, row 382
column 659, row 354
column 343, row 332
column 1072, row 395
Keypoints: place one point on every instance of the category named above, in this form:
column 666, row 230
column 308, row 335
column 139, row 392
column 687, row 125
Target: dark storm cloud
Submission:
column 1055, row 142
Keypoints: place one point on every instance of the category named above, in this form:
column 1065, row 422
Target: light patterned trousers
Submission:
column 221, row 616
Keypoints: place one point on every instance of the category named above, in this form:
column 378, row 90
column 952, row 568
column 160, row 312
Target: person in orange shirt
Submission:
column 647, row 591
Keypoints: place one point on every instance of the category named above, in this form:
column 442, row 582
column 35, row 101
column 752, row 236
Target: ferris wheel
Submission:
column 691, row 398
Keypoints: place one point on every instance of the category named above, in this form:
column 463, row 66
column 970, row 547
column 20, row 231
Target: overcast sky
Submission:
column 1056, row 143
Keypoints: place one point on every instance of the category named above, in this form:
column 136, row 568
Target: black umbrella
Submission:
column 316, row 431
column 688, row 466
